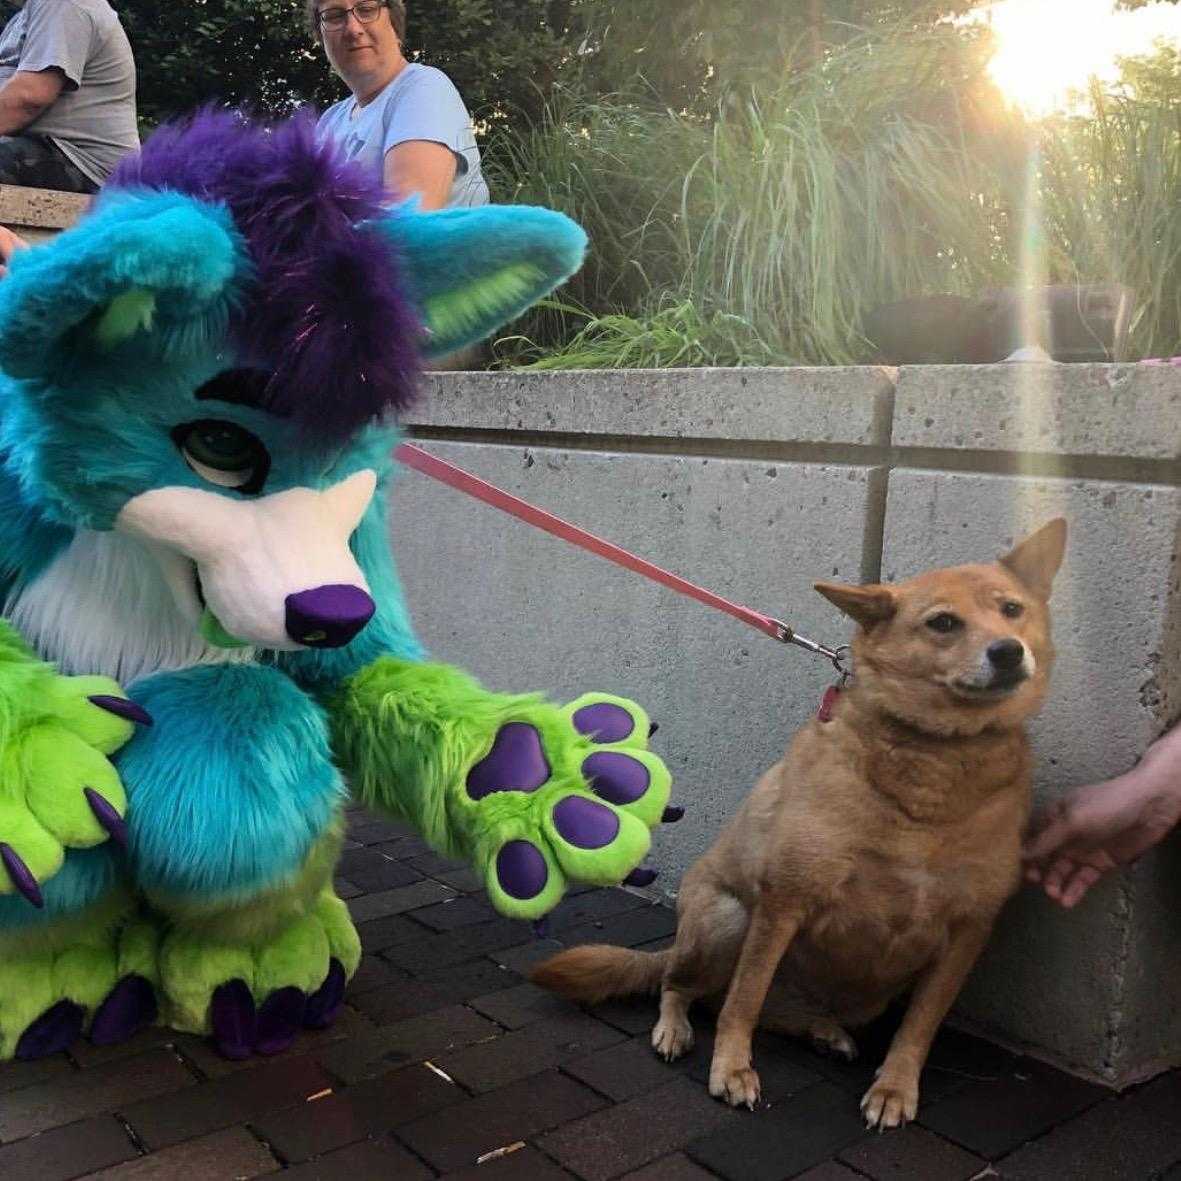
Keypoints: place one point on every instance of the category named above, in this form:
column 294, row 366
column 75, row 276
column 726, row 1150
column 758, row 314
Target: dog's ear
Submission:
column 1035, row 560
column 865, row 605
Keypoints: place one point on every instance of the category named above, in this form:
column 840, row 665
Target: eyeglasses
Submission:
column 336, row 18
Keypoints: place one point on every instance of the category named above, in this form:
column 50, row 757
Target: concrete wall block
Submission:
column 823, row 405
column 1065, row 982
column 1131, row 411
column 523, row 610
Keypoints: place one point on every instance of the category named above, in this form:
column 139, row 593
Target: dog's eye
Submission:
column 943, row 623
column 224, row 454
column 1012, row 610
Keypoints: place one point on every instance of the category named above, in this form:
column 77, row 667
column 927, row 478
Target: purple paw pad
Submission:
column 604, row 722
column 617, row 778
column 641, row 877
column 129, row 1006
column 105, row 814
column 280, row 1019
column 521, row 870
column 21, row 876
column 516, row 762
column 121, row 707
column 324, row 1004
column 584, row 823
column 56, row 1028
column 234, row 1020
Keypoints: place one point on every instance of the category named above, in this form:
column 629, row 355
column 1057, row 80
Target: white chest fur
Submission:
column 103, row 606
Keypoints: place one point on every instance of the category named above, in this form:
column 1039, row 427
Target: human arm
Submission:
column 1097, row 828
column 419, row 167
column 26, row 96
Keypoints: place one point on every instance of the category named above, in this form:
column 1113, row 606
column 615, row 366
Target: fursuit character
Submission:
column 203, row 636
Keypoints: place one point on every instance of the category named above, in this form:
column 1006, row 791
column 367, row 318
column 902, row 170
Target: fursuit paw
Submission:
column 254, row 997
column 565, row 793
column 58, row 789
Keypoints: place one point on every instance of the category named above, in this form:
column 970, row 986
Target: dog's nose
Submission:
column 1006, row 655
column 328, row 616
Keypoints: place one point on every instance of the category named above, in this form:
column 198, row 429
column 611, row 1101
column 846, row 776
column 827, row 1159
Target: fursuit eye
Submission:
column 944, row 623
column 224, row 454
column 1012, row 609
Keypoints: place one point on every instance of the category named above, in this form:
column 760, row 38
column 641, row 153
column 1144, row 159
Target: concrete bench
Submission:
column 38, row 214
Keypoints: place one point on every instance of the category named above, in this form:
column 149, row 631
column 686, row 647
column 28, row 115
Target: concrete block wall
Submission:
column 756, row 483
column 38, row 214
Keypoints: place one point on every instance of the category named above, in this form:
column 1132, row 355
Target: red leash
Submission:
column 455, row 477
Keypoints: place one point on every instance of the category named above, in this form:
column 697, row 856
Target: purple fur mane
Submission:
column 326, row 312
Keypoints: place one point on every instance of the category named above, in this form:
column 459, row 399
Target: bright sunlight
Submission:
column 1048, row 48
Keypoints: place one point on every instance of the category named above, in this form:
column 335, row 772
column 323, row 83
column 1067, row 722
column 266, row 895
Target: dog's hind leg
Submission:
column 781, row 1015
column 710, row 928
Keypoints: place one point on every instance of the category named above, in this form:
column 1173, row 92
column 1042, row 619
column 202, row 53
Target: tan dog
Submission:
column 874, row 857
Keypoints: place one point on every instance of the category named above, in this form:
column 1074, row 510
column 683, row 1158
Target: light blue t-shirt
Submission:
column 420, row 103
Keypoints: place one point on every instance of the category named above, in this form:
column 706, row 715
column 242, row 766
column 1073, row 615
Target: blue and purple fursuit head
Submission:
column 203, row 638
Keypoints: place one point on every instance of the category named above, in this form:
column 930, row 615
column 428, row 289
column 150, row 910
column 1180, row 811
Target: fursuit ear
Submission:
column 468, row 271
column 865, row 605
column 139, row 258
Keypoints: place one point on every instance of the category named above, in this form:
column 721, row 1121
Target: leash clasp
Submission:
column 786, row 635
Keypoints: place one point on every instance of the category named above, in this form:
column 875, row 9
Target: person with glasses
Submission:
column 403, row 119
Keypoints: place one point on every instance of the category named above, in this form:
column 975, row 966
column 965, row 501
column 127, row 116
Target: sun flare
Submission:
column 1047, row 49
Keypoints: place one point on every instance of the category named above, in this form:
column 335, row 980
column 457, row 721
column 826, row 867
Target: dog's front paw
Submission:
column 737, row 1084
column 892, row 1101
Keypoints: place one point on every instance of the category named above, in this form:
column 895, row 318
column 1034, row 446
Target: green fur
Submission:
column 126, row 315
column 454, row 313
column 407, row 734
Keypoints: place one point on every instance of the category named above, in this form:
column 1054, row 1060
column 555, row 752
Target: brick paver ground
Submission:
column 447, row 1063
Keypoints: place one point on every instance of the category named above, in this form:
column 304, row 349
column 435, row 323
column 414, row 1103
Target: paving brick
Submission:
column 345, row 889
column 226, row 1101
column 472, row 978
column 523, row 1164
column 514, row 1007
column 677, row 1167
column 593, row 906
column 382, row 933
column 367, row 829
column 398, row 900
column 460, row 1135
column 634, row 1015
column 397, row 1001
column 91, row 1092
column 909, row 1153
column 545, row 1044
column 782, row 1140
column 831, row 1171
column 453, row 947
column 210, row 1064
column 994, row 1117
column 520, row 957
column 233, row 1153
column 373, row 973
column 622, row 1071
column 371, row 870
column 632, row 1134
column 357, row 1112
column 67, row 1152
column 1126, row 1138
column 382, row 1159
column 455, row 874
column 465, row 911
column 430, row 1036
column 15, row 1075
column 633, row 927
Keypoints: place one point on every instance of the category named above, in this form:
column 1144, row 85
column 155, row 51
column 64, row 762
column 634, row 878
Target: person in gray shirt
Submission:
column 404, row 121
column 67, row 95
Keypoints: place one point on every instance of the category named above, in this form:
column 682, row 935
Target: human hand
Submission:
column 1096, row 829
column 9, row 244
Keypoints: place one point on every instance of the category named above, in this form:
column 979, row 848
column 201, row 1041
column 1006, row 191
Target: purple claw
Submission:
column 129, row 1006
column 652, row 728
column 672, row 814
column 280, row 1019
column 52, row 1032
column 106, row 815
column 122, row 707
column 325, row 1003
column 540, row 928
column 21, row 876
column 234, row 1020
column 641, row 877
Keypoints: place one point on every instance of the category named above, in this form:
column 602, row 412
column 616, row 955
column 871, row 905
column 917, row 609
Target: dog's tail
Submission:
column 593, row 973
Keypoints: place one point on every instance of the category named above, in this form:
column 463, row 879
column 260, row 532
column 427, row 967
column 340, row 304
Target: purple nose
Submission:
column 328, row 616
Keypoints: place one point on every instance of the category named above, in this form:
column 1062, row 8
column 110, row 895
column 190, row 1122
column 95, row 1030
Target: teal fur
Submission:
column 470, row 270
column 28, row 542
column 86, row 876
column 232, row 786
